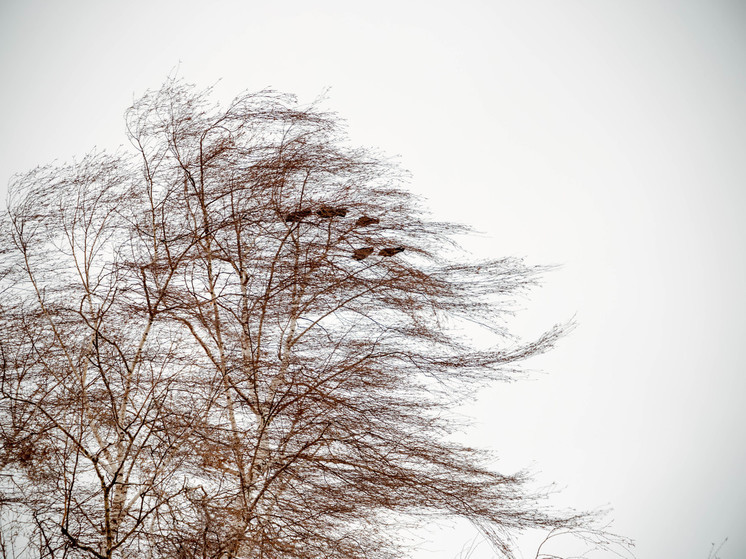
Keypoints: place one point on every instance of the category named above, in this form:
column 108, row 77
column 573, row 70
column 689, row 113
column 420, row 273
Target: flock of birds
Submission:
column 329, row 212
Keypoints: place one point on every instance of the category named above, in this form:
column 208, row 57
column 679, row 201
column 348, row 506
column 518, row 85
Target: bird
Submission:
column 362, row 253
column 329, row 212
column 364, row 221
column 296, row 216
column 391, row 251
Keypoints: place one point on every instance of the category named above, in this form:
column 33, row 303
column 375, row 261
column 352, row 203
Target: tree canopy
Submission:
column 242, row 338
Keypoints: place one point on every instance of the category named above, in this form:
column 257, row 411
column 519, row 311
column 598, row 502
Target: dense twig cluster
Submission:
column 236, row 344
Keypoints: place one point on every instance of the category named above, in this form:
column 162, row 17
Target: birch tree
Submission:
column 241, row 339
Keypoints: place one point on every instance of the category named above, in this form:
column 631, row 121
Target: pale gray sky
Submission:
column 605, row 136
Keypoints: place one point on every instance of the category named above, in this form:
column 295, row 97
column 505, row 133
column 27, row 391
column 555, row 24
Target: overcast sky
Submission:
column 608, row 137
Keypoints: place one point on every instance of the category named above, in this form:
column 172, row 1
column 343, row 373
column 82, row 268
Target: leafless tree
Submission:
column 243, row 341
column 715, row 550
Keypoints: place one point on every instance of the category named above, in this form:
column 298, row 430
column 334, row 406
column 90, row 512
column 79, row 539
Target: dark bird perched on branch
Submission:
column 362, row 253
column 364, row 221
column 295, row 217
column 328, row 212
column 391, row 251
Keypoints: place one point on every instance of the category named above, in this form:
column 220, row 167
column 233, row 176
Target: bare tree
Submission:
column 244, row 341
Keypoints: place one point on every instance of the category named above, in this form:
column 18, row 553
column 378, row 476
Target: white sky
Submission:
column 608, row 137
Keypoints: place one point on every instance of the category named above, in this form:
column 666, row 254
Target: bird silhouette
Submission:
column 362, row 253
column 329, row 212
column 391, row 251
column 295, row 217
column 364, row 221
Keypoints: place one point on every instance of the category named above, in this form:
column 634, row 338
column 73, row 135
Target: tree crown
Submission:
column 240, row 342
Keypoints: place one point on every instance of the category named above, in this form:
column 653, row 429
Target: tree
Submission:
column 243, row 341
